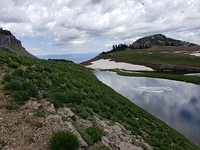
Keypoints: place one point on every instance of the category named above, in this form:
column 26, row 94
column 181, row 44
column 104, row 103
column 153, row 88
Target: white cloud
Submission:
column 91, row 25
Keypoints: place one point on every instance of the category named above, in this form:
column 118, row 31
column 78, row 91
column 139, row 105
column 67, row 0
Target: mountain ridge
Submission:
column 157, row 40
column 10, row 42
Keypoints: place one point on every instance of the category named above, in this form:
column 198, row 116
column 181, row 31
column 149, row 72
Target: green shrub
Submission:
column 30, row 139
column 14, row 64
column 2, row 143
column 74, row 97
column 95, row 132
column 18, row 72
column 38, row 124
column 64, row 140
column 56, row 103
column 21, row 96
column 10, row 107
column 39, row 114
column 92, row 104
column 82, row 111
column 12, row 86
column 120, row 115
column 101, row 148
column 48, row 69
column 81, row 130
column 7, row 78
column 73, row 118
column 30, row 89
column 106, row 115
column 60, row 97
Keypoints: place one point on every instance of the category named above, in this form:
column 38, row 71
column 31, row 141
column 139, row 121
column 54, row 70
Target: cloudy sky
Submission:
column 83, row 26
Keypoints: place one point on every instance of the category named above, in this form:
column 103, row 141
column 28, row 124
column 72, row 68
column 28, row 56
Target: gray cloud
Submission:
column 88, row 22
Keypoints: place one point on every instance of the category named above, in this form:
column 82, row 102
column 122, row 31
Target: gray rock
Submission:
column 32, row 105
column 117, row 129
column 66, row 112
column 51, row 109
column 124, row 130
column 105, row 139
column 45, row 104
column 128, row 146
column 71, row 128
column 55, row 119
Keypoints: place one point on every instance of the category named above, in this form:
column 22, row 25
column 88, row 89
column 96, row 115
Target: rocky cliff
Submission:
column 158, row 40
column 10, row 42
column 9, row 39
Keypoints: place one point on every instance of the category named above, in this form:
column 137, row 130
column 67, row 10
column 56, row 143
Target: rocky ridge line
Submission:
column 10, row 42
column 157, row 40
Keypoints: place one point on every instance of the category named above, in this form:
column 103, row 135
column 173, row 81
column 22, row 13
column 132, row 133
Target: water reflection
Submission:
column 176, row 103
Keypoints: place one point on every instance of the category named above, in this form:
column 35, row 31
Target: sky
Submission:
column 87, row 26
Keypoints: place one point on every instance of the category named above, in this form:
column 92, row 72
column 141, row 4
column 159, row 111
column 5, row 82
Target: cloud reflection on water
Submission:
column 176, row 103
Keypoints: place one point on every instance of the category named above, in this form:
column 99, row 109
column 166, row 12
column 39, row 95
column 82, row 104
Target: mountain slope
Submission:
column 55, row 91
column 9, row 41
column 157, row 52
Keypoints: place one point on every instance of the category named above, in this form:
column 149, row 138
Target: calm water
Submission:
column 176, row 103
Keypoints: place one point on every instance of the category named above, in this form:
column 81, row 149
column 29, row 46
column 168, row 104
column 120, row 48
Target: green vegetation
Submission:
column 152, row 55
column 39, row 114
column 67, row 83
column 30, row 139
column 13, row 64
column 5, row 32
column 155, row 58
column 101, row 148
column 64, row 140
column 81, row 129
column 177, row 77
column 95, row 132
column 2, row 143
column 38, row 124
column 21, row 96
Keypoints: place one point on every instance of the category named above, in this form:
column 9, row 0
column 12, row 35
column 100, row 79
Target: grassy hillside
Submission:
column 65, row 83
column 176, row 59
column 158, row 56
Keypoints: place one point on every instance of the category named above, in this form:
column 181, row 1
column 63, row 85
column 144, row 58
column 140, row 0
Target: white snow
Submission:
column 176, row 52
column 195, row 54
column 193, row 74
column 108, row 64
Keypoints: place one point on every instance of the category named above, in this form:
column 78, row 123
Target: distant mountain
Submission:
column 8, row 40
column 157, row 40
column 77, row 58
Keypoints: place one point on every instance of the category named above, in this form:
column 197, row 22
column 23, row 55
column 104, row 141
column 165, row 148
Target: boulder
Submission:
column 66, row 112
column 104, row 139
column 117, row 129
column 69, row 126
column 51, row 109
column 45, row 104
column 55, row 119
column 32, row 105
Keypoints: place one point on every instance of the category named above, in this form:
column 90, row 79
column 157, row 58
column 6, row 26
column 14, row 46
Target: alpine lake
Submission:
column 174, row 102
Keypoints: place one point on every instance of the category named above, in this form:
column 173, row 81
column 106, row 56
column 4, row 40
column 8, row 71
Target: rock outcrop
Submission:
column 10, row 42
column 20, row 131
column 9, row 39
column 157, row 40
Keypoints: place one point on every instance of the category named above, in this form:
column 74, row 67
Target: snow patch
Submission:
column 195, row 54
column 108, row 64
